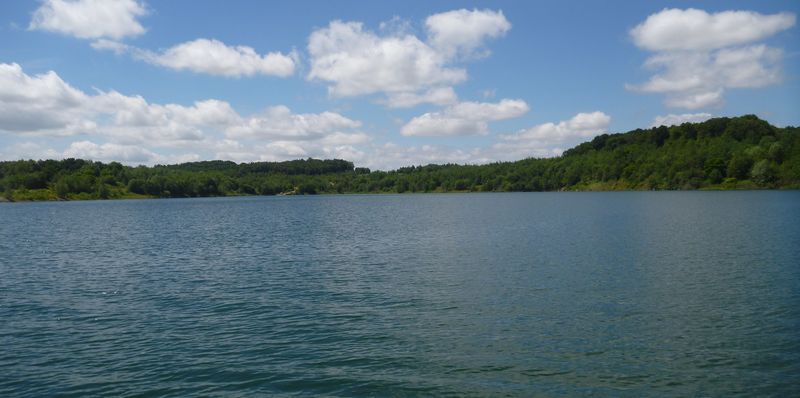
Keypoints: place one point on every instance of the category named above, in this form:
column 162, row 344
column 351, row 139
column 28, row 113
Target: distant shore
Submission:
column 739, row 153
column 38, row 197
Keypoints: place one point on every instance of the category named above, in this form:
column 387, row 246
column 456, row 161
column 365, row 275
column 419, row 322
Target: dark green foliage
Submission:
column 764, row 172
column 742, row 152
column 739, row 166
column 293, row 167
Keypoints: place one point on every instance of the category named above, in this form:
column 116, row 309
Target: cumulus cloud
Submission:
column 131, row 119
column 106, row 152
column 549, row 139
column 90, row 19
column 698, row 80
column 280, row 122
column 109, row 21
column 464, row 118
column 339, row 139
column 110, row 126
column 390, row 156
column 128, row 128
column 337, row 145
column 214, row 57
column 45, row 105
column 692, row 29
column 582, row 125
column 41, row 103
column 462, row 32
column 543, row 140
column 130, row 154
column 111, row 45
column 674, row 120
column 356, row 61
column 437, row 96
column 27, row 150
column 700, row 55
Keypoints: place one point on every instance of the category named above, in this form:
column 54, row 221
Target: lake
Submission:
column 618, row 294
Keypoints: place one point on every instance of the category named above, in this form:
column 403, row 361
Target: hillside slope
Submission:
column 722, row 153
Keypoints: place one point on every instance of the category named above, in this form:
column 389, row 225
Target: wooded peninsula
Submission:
column 721, row 153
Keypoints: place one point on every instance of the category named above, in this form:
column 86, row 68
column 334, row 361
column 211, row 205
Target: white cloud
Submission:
column 214, row 57
column 582, row 125
column 41, row 103
column 549, row 139
column 109, row 152
column 45, row 106
column 360, row 62
column 545, row 140
column 391, row 156
column 108, row 21
column 696, row 100
column 437, row 96
column 27, row 150
column 462, row 32
column 699, row 80
column 464, row 118
column 131, row 119
column 111, row 45
column 692, row 29
column 700, row 56
column 339, row 139
column 90, row 19
column 337, row 145
column 108, row 125
column 748, row 67
column 356, row 61
column 280, row 122
column 674, row 120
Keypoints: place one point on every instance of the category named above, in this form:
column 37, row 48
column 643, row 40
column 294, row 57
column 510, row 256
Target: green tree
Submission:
column 102, row 191
column 61, row 188
column 715, row 169
column 763, row 172
column 136, row 185
column 739, row 166
column 8, row 193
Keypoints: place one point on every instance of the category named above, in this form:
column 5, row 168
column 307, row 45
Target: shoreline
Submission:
column 142, row 197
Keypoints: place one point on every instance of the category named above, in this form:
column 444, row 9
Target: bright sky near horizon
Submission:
column 383, row 84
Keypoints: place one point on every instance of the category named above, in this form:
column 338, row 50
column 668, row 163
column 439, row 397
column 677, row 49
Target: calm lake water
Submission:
column 531, row 294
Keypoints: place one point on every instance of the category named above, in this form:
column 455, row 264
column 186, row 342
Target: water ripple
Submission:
column 559, row 294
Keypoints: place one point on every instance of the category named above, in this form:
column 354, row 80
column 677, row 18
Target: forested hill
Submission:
column 723, row 153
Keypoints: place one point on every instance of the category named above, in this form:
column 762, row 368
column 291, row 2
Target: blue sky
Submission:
column 382, row 84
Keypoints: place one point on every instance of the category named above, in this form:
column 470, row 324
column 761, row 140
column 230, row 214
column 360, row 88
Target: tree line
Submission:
column 722, row 153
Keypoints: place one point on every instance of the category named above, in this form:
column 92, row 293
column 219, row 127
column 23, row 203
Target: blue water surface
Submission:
column 624, row 294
